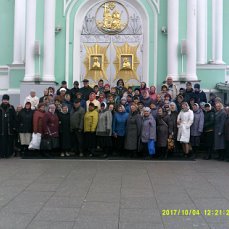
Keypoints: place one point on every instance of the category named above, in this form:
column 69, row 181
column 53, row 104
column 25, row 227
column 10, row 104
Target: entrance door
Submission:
column 112, row 44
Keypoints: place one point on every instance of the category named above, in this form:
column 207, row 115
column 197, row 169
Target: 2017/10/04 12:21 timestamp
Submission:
column 195, row 212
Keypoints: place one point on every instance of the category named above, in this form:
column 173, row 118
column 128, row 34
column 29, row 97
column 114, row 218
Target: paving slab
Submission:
column 109, row 194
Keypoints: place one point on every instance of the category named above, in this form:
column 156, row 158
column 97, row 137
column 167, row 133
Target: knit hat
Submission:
column 197, row 86
column 6, row 97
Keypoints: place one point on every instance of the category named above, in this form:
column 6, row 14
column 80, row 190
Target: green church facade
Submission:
column 47, row 41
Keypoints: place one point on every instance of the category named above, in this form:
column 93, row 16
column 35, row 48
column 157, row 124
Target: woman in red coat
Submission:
column 50, row 129
column 38, row 119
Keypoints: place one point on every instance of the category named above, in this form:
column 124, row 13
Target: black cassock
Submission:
column 7, row 129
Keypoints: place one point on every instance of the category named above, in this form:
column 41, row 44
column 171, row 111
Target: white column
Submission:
column 19, row 31
column 30, row 40
column 49, row 40
column 173, row 41
column 213, row 28
column 202, row 32
column 191, row 39
column 219, row 32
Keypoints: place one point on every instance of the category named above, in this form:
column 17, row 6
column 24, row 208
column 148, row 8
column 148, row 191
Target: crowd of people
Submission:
column 117, row 121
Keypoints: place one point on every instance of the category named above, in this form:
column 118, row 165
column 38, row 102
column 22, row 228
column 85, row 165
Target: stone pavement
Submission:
column 91, row 194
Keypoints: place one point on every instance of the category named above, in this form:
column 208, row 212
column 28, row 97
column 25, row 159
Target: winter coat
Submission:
column 25, row 121
column 173, row 124
column 172, row 91
column 50, row 125
column 146, row 102
column 86, row 92
column 220, row 118
column 133, row 130
column 163, row 126
column 186, row 119
column 226, row 128
column 64, row 130
column 154, row 113
column 7, row 119
column 77, row 119
column 148, row 130
column 200, row 97
column 38, row 121
column 209, row 120
column 198, row 123
column 91, row 121
column 104, row 127
column 119, row 123
column 188, row 95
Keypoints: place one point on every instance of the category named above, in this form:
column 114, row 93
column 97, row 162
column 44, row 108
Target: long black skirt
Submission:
column 104, row 142
column 6, row 145
column 90, row 140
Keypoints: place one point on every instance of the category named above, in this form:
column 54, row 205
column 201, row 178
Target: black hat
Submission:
column 6, row 97
column 77, row 101
column 63, row 82
column 197, row 86
column 207, row 105
column 76, row 83
column 189, row 83
column 85, row 80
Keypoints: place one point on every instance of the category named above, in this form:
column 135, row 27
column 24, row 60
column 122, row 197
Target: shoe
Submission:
column 62, row 155
column 90, row 155
column 81, row 155
column 67, row 154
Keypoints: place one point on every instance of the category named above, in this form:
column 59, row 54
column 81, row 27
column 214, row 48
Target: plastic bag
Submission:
column 35, row 142
column 151, row 147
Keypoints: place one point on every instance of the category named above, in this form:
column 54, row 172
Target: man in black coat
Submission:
column 86, row 89
column 7, row 127
column 200, row 95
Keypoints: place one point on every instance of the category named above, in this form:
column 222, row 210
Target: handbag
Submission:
column 151, row 147
column 35, row 142
column 171, row 144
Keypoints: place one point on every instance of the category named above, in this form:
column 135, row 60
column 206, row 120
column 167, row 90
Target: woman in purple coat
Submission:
column 196, row 128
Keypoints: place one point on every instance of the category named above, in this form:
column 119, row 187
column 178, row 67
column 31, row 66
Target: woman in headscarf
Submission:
column 163, row 127
column 196, row 128
column 148, row 131
column 104, row 129
column 133, row 130
column 184, row 122
column 119, row 128
column 51, row 128
column 25, row 125
column 64, row 129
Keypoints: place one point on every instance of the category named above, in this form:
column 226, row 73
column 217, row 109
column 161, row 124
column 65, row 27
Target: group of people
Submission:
column 117, row 121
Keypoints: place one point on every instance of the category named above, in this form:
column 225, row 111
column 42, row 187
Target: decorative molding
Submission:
column 156, row 4
column 211, row 66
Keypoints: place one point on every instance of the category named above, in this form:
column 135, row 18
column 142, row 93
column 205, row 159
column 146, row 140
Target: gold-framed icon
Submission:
column 96, row 62
column 126, row 62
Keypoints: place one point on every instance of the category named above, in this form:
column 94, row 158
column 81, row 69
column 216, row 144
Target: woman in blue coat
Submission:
column 119, row 128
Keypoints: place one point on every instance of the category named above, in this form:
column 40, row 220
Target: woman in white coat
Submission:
column 184, row 122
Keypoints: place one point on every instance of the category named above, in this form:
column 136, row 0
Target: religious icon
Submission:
column 112, row 17
column 95, row 62
column 126, row 62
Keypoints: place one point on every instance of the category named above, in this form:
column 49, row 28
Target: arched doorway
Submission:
column 111, row 44
column 77, row 12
